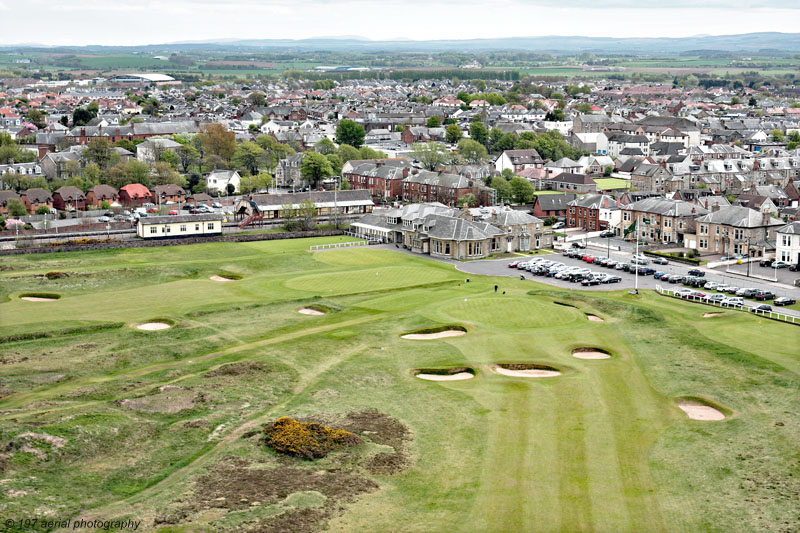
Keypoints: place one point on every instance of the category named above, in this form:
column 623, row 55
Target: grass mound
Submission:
column 307, row 440
column 40, row 295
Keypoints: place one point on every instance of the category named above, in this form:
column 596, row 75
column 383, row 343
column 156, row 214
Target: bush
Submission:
column 675, row 257
column 43, row 210
column 55, row 275
column 307, row 440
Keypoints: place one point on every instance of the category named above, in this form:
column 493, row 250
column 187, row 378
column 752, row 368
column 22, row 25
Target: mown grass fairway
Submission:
column 102, row 420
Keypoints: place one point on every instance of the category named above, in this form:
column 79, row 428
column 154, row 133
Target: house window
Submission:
column 738, row 234
column 627, row 216
column 703, row 243
column 183, row 227
column 703, row 229
column 667, row 222
column 153, row 229
column 474, row 248
column 197, row 227
column 210, row 225
column 447, row 248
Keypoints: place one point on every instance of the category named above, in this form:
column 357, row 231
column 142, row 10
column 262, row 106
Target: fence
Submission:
column 330, row 246
column 774, row 315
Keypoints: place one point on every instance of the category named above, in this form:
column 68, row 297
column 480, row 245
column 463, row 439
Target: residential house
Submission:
column 661, row 220
column 517, row 160
column 150, row 150
column 579, row 183
column 35, row 198
column 594, row 212
column 169, row 194
column 69, row 198
column 552, row 205
column 787, row 246
column 134, row 195
column 736, row 230
column 647, row 177
column 101, row 193
column 5, row 197
column 381, row 180
column 218, row 180
column 287, row 172
column 427, row 186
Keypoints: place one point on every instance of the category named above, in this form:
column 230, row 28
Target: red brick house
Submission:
column 415, row 134
column 448, row 189
column 69, row 198
column 169, row 193
column 101, row 193
column 382, row 181
column 134, row 195
column 35, row 198
column 593, row 212
column 5, row 197
column 552, row 205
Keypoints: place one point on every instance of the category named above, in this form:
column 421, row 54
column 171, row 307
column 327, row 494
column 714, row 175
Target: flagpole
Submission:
column 636, row 259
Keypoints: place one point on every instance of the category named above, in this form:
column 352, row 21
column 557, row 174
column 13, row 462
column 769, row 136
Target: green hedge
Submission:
column 687, row 260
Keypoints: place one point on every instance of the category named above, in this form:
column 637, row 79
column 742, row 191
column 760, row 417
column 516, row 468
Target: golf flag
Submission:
column 631, row 228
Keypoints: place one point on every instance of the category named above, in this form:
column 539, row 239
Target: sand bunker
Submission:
column 448, row 374
column 221, row 278
column 699, row 411
column 526, row 371
column 709, row 315
column 153, row 326
column 310, row 311
column 437, row 335
column 38, row 299
column 593, row 318
column 590, row 353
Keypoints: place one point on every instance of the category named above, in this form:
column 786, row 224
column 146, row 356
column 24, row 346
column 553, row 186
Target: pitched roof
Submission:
column 740, row 217
column 666, row 207
column 135, row 190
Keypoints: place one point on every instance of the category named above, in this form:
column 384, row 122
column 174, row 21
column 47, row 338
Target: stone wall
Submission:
column 248, row 237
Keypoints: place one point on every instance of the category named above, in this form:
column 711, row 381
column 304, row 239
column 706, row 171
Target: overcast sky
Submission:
column 135, row 22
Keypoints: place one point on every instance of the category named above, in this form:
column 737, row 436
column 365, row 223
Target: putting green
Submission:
column 365, row 280
column 511, row 312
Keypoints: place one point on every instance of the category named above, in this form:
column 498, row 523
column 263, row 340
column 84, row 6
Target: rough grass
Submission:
column 603, row 448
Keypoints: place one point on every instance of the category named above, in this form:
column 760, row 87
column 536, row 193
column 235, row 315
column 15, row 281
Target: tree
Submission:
column 248, row 155
column 230, row 189
column 99, row 151
column 37, row 118
column 556, row 115
column 324, row 146
column 307, row 215
column 434, row 122
column 105, row 204
column 255, row 183
column 752, row 102
column 132, row 171
column 168, row 156
column 188, row 156
column 336, row 163
column 315, row 168
column 347, row 153
column 273, row 150
column 479, row 132
column 16, row 208
column 507, row 142
column 126, row 144
column 777, row 135
column 164, row 174
column 472, row 150
column 453, row 133
column 365, row 152
column 522, row 191
column 349, row 132
column 468, row 200
column 431, row 154
column 503, row 188
column 81, row 116
column 43, row 210
column 217, row 140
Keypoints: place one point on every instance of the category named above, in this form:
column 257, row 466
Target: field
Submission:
column 100, row 419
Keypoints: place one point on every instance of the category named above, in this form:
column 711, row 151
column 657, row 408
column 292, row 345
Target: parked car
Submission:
column 734, row 301
column 173, row 212
column 513, row 264
column 784, row 300
column 610, row 278
column 660, row 261
column 741, row 257
column 558, row 225
column 659, row 275
column 794, row 268
column 765, row 262
column 606, row 234
column 762, row 308
column 104, row 219
column 714, row 298
column 646, row 271
column 590, row 280
column 696, row 272
column 578, row 245
column 711, row 285
column 216, row 205
column 746, row 292
column 639, row 260
column 732, row 290
column 780, row 264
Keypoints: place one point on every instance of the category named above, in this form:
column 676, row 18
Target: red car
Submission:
column 513, row 264
column 152, row 210
column 173, row 212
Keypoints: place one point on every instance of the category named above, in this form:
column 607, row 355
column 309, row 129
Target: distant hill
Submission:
column 773, row 41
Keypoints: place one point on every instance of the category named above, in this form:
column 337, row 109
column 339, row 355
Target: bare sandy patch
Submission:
column 37, row 299
column 437, row 335
column 594, row 318
column 310, row 311
column 710, row 315
column 446, row 377
column 590, row 353
column 526, row 371
column 153, row 326
column 220, row 278
column 698, row 411
column 170, row 400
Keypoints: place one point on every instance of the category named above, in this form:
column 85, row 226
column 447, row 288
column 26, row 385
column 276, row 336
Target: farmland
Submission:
column 102, row 419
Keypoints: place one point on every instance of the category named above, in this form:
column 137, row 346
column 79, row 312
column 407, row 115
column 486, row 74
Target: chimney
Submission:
column 83, row 132
column 765, row 218
column 715, row 207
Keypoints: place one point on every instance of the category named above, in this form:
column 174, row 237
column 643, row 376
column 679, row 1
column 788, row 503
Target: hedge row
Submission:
column 687, row 260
